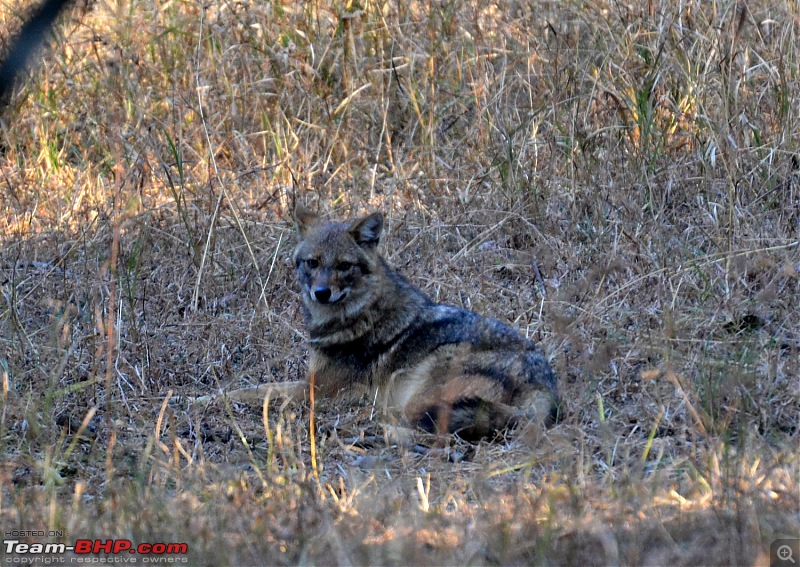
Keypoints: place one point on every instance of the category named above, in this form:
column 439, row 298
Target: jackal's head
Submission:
column 335, row 261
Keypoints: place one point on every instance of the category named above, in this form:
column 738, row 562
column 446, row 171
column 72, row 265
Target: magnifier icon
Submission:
column 785, row 554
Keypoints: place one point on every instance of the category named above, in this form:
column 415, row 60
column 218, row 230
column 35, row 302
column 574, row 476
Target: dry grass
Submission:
column 620, row 181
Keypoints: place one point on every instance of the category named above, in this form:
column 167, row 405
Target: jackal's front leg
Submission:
column 291, row 390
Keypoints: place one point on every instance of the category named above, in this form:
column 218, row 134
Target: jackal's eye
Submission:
column 344, row 266
column 312, row 263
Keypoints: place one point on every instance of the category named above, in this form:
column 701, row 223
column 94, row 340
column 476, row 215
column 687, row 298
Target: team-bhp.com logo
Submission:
column 87, row 550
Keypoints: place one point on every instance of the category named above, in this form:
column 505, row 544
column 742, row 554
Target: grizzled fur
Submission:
column 437, row 367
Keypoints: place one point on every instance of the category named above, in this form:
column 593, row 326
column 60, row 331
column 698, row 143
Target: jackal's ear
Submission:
column 367, row 231
column 304, row 219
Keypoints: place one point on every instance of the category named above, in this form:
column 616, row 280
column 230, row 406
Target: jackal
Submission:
column 438, row 367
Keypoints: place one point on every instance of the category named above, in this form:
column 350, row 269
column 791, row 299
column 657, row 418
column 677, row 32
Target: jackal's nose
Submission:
column 322, row 294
